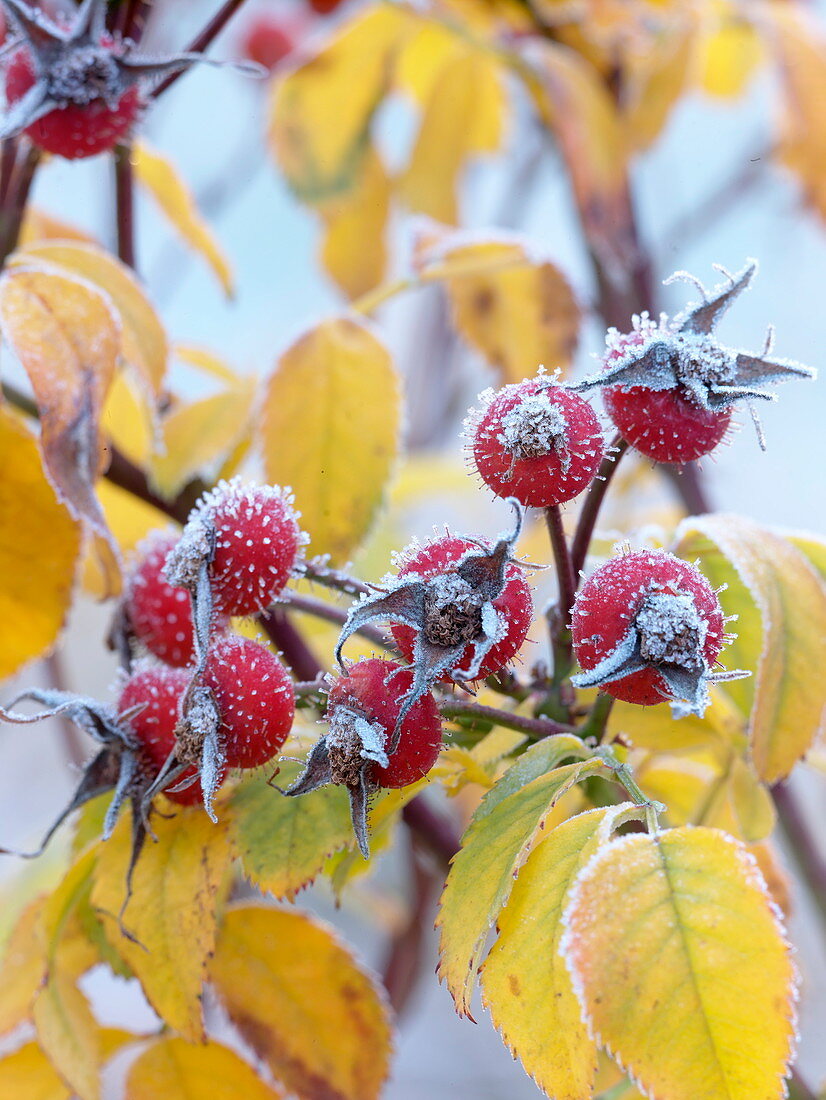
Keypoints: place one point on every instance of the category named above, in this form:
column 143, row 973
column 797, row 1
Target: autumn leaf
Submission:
column 506, row 827
column 67, row 336
column 23, row 966
column 781, row 604
column 39, row 548
column 28, row 1074
column 302, row 1003
column 39, row 225
column 525, row 983
column 655, row 79
column 68, row 1033
column 284, row 842
column 354, row 250
column 142, row 333
column 160, row 177
column 681, row 966
column 730, row 53
column 330, row 431
column 320, row 113
column 172, row 911
column 173, row 1069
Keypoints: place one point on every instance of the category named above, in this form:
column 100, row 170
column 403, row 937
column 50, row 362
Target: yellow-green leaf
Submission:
column 173, row 1069
column 27, row 1074
column 730, row 54
column 681, row 966
column 462, row 118
column 656, row 727
column 331, row 425
column 518, row 311
column 525, row 983
column 354, row 251
column 159, row 176
column 284, row 842
column 39, row 548
column 303, row 1004
column 781, row 603
column 320, row 112
column 172, row 911
column 504, row 830
column 66, row 335
column 23, row 966
column 68, row 1033
column 144, row 339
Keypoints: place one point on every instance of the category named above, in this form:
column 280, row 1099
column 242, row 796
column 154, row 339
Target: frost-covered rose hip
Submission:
column 670, row 386
column 535, row 441
column 248, row 538
column 373, row 740
column 73, row 87
column 159, row 614
column 158, row 692
column 255, row 700
column 647, row 627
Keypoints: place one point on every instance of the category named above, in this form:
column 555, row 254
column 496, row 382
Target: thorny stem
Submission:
column 562, row 559
column 597, row 721
column 309, row 605
column 203, row 41
column 433, row 829
column 593, row 503
column 317, row 570
column 7, row 162
column 534, row 727
column 402, row 968
column 14, row 205
column 559, row 616
column 125, row 204
column 804, row 849
column 291, row 644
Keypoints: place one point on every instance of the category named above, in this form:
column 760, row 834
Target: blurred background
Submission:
column 707, row 191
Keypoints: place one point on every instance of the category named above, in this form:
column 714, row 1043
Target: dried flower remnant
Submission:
column 670, row 386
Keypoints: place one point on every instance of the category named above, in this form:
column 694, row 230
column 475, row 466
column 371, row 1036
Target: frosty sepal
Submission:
column 452, row 614
column 667, row 636
column 682, row 352
column 74, row 68
column 345, row 756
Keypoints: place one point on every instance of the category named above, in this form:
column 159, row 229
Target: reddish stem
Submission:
column 125, row 204
column 203, row 40
column 593, row 503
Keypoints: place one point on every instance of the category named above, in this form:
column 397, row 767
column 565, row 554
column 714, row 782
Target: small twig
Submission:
column 7, row 162
column 297, row 653
column 802, row 845
column 125, row 204
column 625, row 777
column 202, row 41
column 598, row 717
column 402, row 968
column 316, row 569
column 593, row 503
column 534, row 727
column 434, row 830
column 338, row 615
column 562, row 559
column 18, row 196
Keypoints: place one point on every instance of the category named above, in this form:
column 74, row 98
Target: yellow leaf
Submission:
column 39, row 225
column 61, row 904
column 681, row 966
column 731, row 52
column 39, row 548
column 742, row 805
column 23, row 966
column 354, row 251
column 525, row 984
column 575, row 104
column 656, row 728
column 173, row 1069
column 144, row 339
column 28, row 1075
column 320, row 113
column 781, row 603
column 519, row 312
column 505, row 828
column 130, row 519
column 159, row 176
column 127, row 420
column 800, row 51
column 331, row 425
column 198, row 436
column 67, row 337
column 302, row 1003
column 654, row 79
column 68, row 1033
column 463, row 117
column 172, row 910
column 284, row 842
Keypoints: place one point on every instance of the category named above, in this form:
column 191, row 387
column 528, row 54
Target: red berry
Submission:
column 661, row 604
column 257, row 540
column 376, row 689
column 537, row 442
column 76, row 130
column 160, row 615
column 267, row 41
column 667, row 425
column 324, row 7
column 159, row 690
column 513, row 604
column 255, row 699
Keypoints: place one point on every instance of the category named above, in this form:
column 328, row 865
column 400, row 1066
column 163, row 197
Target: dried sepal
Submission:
column 682, row 352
